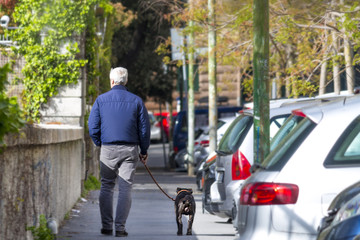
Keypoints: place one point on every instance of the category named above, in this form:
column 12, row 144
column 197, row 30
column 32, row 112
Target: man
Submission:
column 119, row 123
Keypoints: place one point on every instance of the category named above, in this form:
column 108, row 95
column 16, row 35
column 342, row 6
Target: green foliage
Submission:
column 98, row 49
column 45, row 38
column 42, row 232
column 10, row 113
column 134, row 47
column 91, row 183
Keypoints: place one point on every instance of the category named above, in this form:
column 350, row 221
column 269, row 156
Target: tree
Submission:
column 134, row 47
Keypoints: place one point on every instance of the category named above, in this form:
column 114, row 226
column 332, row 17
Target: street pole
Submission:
column 212, row 75
column 261, row 80
column 191, row 111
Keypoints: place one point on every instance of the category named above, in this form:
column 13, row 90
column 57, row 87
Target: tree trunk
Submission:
column 191, row 111
column 212, row 76
column 290, row 87
column 350, row 75
column 323, row 72
column 261, row 80
column 336, row 65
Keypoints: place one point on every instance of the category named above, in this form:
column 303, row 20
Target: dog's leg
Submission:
column 190, row 222
column 179, row 223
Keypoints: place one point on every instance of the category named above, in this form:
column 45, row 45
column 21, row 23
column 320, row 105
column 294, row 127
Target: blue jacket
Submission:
column 119, row 117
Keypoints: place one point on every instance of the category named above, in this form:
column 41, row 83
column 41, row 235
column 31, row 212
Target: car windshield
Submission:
column 235, row 134
column 286, row 141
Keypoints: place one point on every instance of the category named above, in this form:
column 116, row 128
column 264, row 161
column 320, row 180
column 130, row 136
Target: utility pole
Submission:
column 212, row 75
column 261, row 80
column 191, row 111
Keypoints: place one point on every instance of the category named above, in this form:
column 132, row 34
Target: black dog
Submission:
column 184, row 204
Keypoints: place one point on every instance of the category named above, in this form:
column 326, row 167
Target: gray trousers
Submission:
column 116, row 162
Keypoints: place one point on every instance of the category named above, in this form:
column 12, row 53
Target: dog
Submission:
column 184, row 205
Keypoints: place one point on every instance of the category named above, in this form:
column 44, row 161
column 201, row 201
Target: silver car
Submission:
column 236, row 153
column 290, row 191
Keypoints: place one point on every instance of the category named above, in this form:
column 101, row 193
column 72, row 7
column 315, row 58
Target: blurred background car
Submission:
column 163, row 121
column 343, row 219
column 180, row 132
column 201, row 148
column 289, row 192
column 155, row 130
column 223, row 125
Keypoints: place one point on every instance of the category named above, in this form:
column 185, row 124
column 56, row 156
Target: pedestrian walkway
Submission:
column 152, row 215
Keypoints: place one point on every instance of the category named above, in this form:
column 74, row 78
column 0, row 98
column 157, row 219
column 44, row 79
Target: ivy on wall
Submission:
column 10, row 113
column 46, row 37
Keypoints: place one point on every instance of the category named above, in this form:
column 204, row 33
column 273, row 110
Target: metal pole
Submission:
column 261, row 80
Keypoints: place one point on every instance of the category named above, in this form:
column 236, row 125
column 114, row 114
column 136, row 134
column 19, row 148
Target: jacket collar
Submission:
column 119, row 87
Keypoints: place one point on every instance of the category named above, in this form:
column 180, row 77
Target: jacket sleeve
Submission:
column 144, row 129
column 94, row 124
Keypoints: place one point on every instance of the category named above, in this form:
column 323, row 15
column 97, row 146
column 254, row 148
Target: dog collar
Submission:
column 184, row 190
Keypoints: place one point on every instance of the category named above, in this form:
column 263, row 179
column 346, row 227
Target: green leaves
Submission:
column 10, row 113
column 45, row 37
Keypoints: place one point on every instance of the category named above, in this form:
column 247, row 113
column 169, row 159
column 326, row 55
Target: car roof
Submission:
column 315, row 113
column 285, row 106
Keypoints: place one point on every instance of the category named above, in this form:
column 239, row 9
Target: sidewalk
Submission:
column 152, row 214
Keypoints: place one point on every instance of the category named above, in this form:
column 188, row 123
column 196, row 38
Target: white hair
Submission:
column 119, row 75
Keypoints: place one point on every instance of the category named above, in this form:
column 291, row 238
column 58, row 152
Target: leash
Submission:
column 157, row 183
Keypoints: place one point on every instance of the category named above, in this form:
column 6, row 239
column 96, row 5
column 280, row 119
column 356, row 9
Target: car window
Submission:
column 276, row 123
column 289, row 138
column 284, row 130
column 235, row 134
column 220, row 124
column 152, row 118
column 346, row 150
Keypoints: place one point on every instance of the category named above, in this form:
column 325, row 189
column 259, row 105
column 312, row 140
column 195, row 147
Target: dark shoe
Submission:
column 121, row 234
column 106, row 231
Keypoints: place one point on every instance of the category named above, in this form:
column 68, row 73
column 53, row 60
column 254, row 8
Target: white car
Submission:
column 155, row 130
column 236, row 153
column 290, row 191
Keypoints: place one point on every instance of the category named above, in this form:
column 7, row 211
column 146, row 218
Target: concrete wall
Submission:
column 41, row 173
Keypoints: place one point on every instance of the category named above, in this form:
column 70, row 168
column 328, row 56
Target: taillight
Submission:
column 298, row 112
column 204, row 143
column 263, row 193
column 176, row 149
column 240, row 166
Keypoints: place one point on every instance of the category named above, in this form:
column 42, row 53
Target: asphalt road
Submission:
column 152, row 215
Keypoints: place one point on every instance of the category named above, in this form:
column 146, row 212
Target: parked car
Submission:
column 223, row 124
column 343, row 219
column 208, row 167
column 290, row 191
column 235, row 155
column 163, row 120
column 201, row 148
column 155, row 130
column 180, row 133
column 181, row 157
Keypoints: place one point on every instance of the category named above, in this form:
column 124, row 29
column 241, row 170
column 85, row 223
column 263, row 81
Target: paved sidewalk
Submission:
column 152, row 215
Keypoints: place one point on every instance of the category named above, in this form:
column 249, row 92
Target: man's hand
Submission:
column 143, row 158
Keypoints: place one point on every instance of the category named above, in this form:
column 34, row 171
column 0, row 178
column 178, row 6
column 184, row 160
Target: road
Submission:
column 152, row 215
